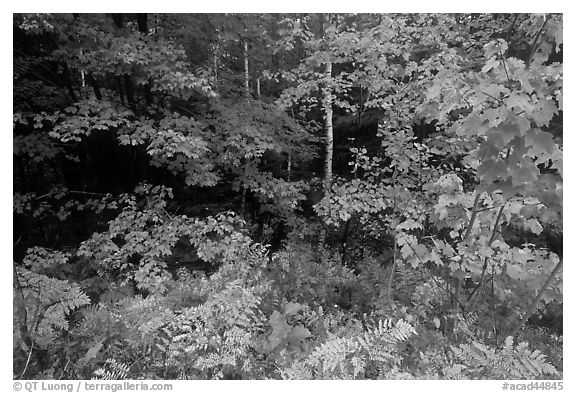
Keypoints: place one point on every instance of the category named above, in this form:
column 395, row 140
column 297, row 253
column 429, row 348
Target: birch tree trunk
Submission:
column 246, row 71
column 328, row 113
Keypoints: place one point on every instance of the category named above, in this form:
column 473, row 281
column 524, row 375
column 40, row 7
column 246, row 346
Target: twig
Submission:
column 473, row 216
column 65, row 367
column 486, row 209
column 168, row 214
column 73, row 192
column 87, row 193
column 27, row 361
column 491, row 96
column 506, row 70
column 136, row 361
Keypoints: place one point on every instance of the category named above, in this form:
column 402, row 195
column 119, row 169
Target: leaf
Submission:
column 490, row 64
column 454, row 266
column 541, row 142
column 545, row 110
column 280, row 330
column 494, row 90
column 534, row 226
column 92, row 352
column 515, row 272
column 495, row 47
column 406, row 251
column 521, row 101
column 493, row 170
column 292, row 308
column 500, row 245
column 276, row 319
column 525, row 82
column 525, row 175
column 299, row 333
column 409, row 224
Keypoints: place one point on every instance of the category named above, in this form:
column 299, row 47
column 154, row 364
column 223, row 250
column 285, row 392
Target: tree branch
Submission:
column 473, row 216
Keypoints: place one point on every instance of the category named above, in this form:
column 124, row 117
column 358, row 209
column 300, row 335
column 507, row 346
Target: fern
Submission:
column 351, row 357
column 112, row 370
column 507, row 362
column 219, row 333
column 49, row 301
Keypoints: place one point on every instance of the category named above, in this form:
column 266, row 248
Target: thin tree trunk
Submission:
column 246, row 71
column 344, row 256
column 360, row 108
column 458, row 283
column 142, row 20
column 95, row 86
column 119, row 22
column 68, row 81
column 129, row 90
column 535, row 302
column 21, row 314
column 451, row 320
column 329, row 129
column 244, row 190
column 258, row 88
column 243, row 202
column 392, row 272
column 485, row 265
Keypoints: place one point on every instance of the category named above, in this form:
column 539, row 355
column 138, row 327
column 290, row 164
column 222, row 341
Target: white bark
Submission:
column 328, row 113
column 246, row 71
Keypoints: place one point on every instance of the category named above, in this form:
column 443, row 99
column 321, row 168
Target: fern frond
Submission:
column 50, row 300
column 111, row 370
column 507, row 362
column 350, row 357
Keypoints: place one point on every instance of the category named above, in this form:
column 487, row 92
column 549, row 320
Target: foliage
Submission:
column 169, row 220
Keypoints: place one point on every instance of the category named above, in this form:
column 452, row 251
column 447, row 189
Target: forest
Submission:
column 287, row 196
